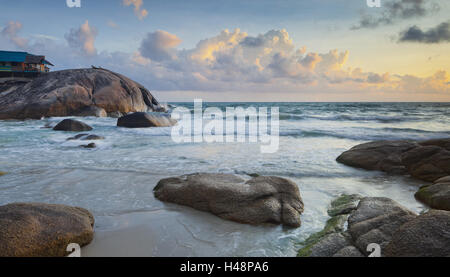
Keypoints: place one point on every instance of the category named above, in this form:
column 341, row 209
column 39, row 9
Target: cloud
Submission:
column 397, row 10
column 138, row 11
column 158, row 46
column 11, row 33
column 83, row 39
column 438, row 34
column 236, row 63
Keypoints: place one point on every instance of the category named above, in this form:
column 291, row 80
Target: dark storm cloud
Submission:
column 438, row 34
column 391, row 12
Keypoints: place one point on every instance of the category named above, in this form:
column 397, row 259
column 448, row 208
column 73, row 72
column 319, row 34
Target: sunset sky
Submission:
column 247, row 50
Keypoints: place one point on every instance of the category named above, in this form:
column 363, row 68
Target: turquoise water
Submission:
column 115, row 181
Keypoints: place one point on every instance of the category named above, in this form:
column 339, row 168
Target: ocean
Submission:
column 115, row 181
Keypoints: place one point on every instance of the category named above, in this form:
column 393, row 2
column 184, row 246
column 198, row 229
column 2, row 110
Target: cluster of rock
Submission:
column 43, row 230
column 426, row 160
column 259, row 200
column 396, row 230
column 75, row 92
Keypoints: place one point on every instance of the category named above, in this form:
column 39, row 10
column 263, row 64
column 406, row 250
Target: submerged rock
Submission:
column 259, row 200
column 42, row 230
column 86, row 137
column 144, row 120
column 83, row 92
column 89, row 146
column 428, row 235
column 72, row 125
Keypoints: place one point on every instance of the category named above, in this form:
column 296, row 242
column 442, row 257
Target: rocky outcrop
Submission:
column 436, row 195
column 376, row 220
column 428, row 235
column 145, row 120
column 76, row 92
column 426, row 160
column 72, row 125
column 43, row 230
column 333, row 240
column 259, row 200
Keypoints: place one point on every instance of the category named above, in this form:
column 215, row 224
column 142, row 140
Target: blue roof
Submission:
column 11, row 56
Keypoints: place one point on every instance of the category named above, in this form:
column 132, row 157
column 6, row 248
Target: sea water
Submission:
column 115, row 181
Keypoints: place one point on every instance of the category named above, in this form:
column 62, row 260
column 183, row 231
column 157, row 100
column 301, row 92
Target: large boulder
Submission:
column 90, row 92
column 375, row 220
column 428, row 235
column 145, row 120
column 378, row 155
column 426, row 160
column 436, row 195
column 43, row 230
column 72, row 125
column 259, row 200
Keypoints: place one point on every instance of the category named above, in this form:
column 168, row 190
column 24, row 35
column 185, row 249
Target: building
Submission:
column 20, row 63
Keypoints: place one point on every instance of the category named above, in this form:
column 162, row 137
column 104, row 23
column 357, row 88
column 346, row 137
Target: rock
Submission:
column 93, row 137
column 71, row 92
column 333, row 225
column 115, row 114
column 444, row 143
column 144, row 120
column 437, row 196
column 378, row 155
column 77, row 136
column 340, row 208
column 89, row 146
column 428, row 235
column 348, row 251
column 426, row 160
column 375, row 220
column 259, row 200
column 445, row 179
column 72, row 125
column 42, row 230
column 2, row 173
column 328, row 246
column 86, row 137
column 344, row 204
column 91, row 111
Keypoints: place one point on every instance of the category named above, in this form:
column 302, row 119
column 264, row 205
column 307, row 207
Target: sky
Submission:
column 247, row 50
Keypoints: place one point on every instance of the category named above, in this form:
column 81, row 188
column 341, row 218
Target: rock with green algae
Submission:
column 344, row 204
column 332, row 235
